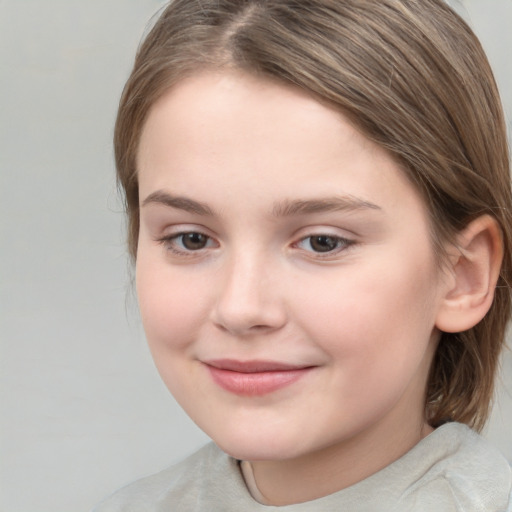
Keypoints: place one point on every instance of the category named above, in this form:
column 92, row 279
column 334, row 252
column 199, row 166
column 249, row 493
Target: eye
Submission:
column 324, row 243
column 187, row 242
column 192, row 241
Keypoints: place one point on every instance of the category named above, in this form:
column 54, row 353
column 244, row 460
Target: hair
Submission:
column 411, row 76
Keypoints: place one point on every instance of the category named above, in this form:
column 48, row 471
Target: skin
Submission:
column 237, row 158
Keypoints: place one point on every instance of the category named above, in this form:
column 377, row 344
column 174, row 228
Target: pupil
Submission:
column 323, row 243
column 194, row 241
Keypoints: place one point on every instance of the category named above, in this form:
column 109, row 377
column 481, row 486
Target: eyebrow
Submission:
column 328, row 204
column 286, row 208
column 179, row 202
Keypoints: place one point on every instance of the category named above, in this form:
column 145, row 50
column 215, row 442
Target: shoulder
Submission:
column 179, row 487
column 464, row 473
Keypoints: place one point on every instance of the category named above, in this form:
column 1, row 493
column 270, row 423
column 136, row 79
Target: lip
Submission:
column 254, row 378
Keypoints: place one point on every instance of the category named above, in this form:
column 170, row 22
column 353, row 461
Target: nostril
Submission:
column 249, row 329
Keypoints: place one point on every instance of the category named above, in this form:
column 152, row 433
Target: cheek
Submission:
column 170, row 305
column 376, row 320
column 376, row 332
column 172, row 313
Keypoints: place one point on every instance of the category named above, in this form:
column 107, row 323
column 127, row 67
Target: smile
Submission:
column 254, row 378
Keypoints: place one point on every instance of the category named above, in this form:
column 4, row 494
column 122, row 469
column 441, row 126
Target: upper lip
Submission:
column 253, row 366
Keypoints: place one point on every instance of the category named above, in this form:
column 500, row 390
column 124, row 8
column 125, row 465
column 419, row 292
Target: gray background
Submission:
column 82, row 408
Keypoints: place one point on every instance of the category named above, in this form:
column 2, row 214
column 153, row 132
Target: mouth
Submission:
column 254, row 378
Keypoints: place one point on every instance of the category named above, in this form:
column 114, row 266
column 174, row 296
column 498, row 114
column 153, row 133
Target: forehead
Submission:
column 220, row 132
column 257, row 107
column 249, row 107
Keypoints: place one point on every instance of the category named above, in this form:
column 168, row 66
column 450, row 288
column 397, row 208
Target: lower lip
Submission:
column 255, row 384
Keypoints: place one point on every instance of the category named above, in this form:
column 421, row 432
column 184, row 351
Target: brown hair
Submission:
column 412, row 76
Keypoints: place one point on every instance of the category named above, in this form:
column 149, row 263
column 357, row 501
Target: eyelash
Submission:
column 169, row 243
column 342, row 244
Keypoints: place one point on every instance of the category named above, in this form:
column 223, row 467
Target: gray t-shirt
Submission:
column 451, row 470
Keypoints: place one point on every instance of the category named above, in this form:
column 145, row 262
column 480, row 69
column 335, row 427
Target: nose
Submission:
column 249, row 301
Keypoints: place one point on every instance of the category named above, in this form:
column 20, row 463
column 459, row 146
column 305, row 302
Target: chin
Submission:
column 259, row 446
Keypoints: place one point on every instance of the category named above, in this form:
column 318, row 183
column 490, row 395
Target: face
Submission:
column 285, row 272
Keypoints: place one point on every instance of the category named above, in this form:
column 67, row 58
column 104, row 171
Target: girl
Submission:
column 319, row 214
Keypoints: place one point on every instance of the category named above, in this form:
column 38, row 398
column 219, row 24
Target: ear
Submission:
column 473, row 270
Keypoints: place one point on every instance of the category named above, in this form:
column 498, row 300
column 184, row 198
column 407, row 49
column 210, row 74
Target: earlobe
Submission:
column 474, row 267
